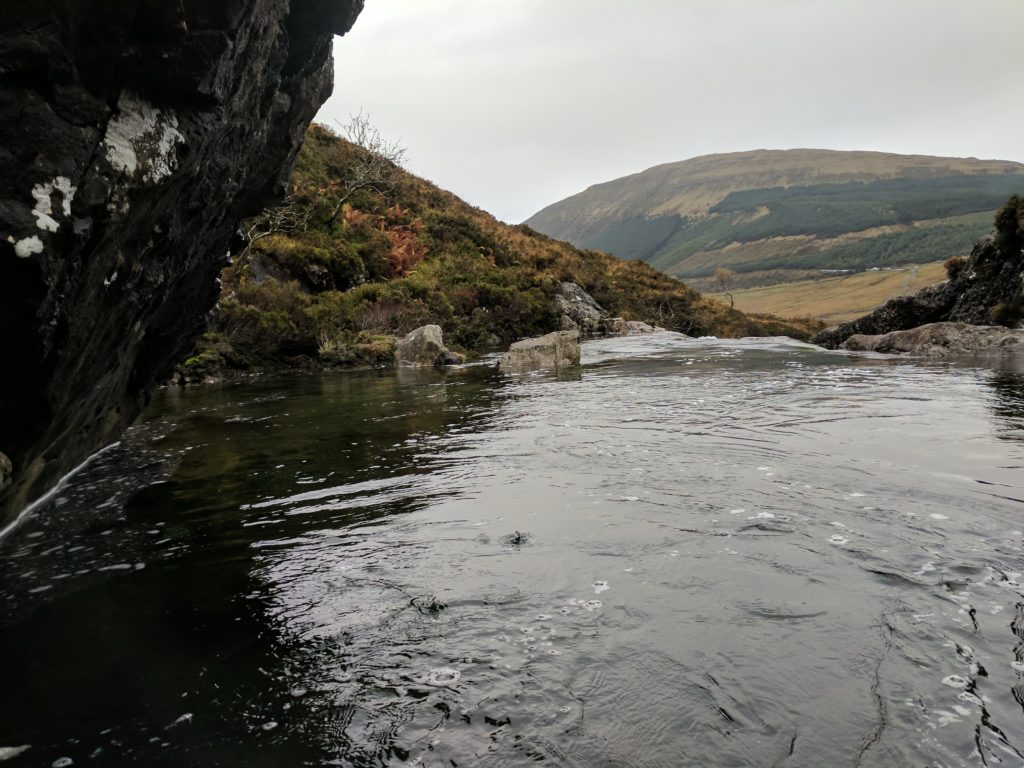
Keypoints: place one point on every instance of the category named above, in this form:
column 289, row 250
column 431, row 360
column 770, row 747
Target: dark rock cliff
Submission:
column 134, row 134
column 987, row 287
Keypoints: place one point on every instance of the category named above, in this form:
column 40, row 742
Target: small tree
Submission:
column 375, row 165
column 725, row 277
column 1010, row 226
column 291, row 216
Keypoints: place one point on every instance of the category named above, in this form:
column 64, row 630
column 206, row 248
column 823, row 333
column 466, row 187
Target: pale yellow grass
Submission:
column 837, row 299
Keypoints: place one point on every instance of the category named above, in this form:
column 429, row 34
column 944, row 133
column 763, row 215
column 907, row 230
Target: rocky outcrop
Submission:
column 579, row 310
column 134, row 134
column 425, row 347
column 943, row 340
column 981, row 289
column 558, row 351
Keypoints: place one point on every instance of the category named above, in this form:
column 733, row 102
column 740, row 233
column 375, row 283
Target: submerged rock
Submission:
column 943, row 340
column 558, row 351
column 134, row 136
column 425, row 347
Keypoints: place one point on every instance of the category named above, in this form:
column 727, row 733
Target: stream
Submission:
column 686, row 553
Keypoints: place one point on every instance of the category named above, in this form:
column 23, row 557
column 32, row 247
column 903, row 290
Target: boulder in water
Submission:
column 425, row 347
column 558, row 350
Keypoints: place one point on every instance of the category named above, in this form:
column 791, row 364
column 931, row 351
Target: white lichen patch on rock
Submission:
column 26, row 246
column 43, row 194
column 141, row 141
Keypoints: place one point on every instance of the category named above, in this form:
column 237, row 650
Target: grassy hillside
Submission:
column 838, row 299
column 325, row 283
column 802, row 210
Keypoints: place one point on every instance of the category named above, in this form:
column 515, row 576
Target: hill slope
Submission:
column 326, row 283
column 764, row 213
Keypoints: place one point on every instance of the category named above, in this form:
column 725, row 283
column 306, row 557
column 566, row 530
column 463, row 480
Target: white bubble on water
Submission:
column 762, row 516
column 838, row 525
column 442, row 677
column 938, row 516
column 542, row 617
column 1017, row 665
column 341, row 677
column 763, row 469
column 955, row 681
column 62, row 762
column 565, row 708
column 7, row 753
column 737, row 511
column 835, row 538
column 630, row 498
column 627, row 570
column 298, row 693
column 592, row 605
column 269, row 725
column 600, row 586
column 857, row 495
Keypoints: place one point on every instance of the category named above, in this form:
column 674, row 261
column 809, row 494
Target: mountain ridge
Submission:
column 679, row 216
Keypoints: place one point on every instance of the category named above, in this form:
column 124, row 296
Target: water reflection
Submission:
column 1008, row 405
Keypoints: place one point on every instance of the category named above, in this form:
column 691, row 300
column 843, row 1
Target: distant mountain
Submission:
column 778, row 215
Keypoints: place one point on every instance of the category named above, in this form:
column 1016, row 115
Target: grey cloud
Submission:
column 515, row 104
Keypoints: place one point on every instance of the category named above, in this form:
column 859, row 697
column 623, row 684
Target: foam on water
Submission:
column 7, row 753
column 442, row 677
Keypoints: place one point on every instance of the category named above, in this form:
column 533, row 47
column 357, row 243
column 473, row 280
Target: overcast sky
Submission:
column 515, row 104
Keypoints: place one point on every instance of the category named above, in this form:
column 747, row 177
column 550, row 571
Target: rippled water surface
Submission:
column 691, row 553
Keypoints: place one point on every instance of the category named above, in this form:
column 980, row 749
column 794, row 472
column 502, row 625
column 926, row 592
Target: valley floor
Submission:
column 837, row 299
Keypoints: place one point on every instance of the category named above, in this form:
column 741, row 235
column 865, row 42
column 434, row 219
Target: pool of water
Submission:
column 690, row 552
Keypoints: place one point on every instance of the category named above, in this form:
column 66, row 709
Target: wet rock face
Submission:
column 988, row 279
column 134, row 134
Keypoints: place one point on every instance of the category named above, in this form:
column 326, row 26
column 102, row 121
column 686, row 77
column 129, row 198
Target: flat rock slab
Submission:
column 943, row 340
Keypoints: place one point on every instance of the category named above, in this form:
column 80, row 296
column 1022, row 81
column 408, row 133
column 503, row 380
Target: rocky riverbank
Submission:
column 985, row 288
